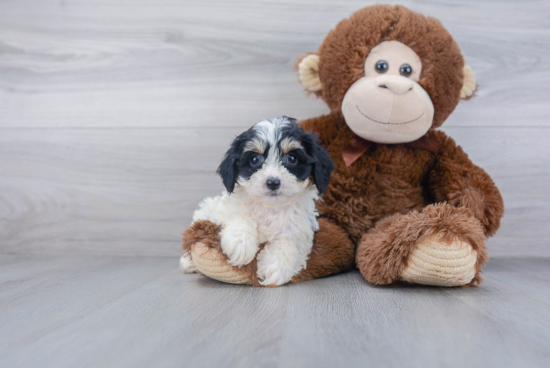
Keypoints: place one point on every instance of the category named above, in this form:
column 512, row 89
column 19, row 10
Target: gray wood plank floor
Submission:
column 77, row 311
column 114, row 114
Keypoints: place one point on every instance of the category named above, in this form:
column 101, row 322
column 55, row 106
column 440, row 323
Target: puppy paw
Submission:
column 186, row 264
column 271, row 272
column 239, row 244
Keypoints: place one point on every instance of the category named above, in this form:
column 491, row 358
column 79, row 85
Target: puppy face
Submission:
column 275, row 159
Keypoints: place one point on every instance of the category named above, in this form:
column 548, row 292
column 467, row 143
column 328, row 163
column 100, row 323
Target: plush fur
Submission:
column 333, row 252
column 383, row 200
column 208, row 233
column 383, row 251
column 395, row 195
column 344, row 50
column 273, row 174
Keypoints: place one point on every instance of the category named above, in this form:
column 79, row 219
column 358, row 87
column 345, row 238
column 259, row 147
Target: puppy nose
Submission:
column 273, row 183
column 396, row 84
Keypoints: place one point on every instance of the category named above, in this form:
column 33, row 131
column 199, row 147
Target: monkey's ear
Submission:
column 469, row 85
column 309, row 73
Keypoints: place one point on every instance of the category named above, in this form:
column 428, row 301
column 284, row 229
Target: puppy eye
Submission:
column 256, row 161
column 291, row 160
column 381, row 66
column 405, row 70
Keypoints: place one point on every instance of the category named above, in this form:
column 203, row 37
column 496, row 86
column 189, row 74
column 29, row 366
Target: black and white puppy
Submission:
column 273, row 173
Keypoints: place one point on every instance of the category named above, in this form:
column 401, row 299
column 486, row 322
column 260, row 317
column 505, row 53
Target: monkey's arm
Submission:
column 456, row 180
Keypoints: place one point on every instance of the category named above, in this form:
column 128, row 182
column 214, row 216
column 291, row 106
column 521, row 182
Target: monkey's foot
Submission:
column 440, row 246
column 435, row 262
column 213, row 263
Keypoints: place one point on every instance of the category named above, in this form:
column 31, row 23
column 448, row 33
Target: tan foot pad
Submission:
column 210, row 264
column 434, row 262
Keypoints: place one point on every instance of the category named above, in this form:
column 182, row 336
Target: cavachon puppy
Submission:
column 273, row 173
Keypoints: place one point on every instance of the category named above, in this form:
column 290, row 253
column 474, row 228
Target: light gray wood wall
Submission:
column 115, row 114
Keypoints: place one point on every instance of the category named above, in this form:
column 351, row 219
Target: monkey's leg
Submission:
column 332, row 252
column 202, row 242
column 442, row 245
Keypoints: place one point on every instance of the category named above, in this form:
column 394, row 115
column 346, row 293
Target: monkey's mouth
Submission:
column 388, row 123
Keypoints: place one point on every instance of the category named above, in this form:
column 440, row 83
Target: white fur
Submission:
column 186, row 264
column 253, row 215
column 286, row 226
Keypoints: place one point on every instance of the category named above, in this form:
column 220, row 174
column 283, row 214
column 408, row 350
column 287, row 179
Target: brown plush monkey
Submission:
column 405, row 204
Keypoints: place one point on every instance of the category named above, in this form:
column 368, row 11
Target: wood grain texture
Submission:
column 133, row 191
column 115, row 114
column 141, row 312
column 228, row 63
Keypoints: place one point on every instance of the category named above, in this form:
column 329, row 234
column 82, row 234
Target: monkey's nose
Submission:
column 396, row 84
column 273, row 183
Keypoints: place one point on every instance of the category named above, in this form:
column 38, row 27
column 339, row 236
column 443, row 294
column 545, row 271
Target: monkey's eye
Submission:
column 256, row 161
column 405, row 70
column 381, row 66
column 291, row 160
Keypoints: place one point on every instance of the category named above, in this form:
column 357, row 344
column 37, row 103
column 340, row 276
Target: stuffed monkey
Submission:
column 405, row 203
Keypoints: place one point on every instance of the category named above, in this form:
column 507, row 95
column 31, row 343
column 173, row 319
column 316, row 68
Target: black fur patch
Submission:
column 313, row 160
column 229, row 168
column 246, row 169
column 302, row 169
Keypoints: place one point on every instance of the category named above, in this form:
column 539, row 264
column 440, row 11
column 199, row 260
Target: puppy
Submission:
column 274, row 172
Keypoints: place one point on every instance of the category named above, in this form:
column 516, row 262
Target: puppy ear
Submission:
column 323, row 167
column 229, row 168
column 322, row 163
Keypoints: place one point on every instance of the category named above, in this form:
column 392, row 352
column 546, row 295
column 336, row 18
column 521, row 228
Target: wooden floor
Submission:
column 141, row 312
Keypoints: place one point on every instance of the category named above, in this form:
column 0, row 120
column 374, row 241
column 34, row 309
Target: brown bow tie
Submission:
column 357, row 146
